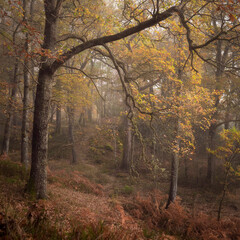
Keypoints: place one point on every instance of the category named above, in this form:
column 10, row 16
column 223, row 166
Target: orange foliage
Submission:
column 46, row 218
column 178, row 221
column 77, row 182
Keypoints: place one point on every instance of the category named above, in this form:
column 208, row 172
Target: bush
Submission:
column 13, row 170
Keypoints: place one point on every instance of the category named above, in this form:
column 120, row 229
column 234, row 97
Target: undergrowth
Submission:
column 75, row 181
column 13, row 171
column 178, row 222
column 130, row 216
column 41, row 221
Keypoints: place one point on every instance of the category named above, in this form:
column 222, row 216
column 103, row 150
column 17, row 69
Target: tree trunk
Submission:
column 115, row 143
column 37, row 183
column 7, row 134
column 25, row 114
column 104, row 107
column 227, row 117
column 225, row 184
column 196, row 177
column 175, row 153
column 221, row 56
column 58, row 110
column 58, row 120
column 38, row 175
column 53, row 108
column 26, row 100
column 174, row 179
column 174, row 169
column 89, row 111
column 127, row 141
column 71, row 134
column 82, row 119
column 210, row 168
column 9, row 120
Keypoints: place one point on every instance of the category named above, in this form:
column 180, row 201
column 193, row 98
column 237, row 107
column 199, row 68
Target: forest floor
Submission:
column 95, row 200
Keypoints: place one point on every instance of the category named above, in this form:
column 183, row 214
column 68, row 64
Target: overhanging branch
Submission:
column 114, row 37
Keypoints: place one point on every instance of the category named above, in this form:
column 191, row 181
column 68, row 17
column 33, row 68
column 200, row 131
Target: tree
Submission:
column 27, row 16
